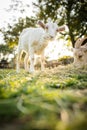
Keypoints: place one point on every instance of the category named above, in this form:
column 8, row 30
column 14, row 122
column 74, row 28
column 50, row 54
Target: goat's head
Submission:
column 80, row 52
column 51, row 27
column 79, row 48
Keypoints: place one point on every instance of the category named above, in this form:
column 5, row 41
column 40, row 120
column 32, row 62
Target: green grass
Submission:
column 55, row 99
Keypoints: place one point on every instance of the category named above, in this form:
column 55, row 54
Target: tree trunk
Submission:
column 72, row 37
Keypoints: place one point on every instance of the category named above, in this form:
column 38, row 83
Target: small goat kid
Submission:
column 34, row 41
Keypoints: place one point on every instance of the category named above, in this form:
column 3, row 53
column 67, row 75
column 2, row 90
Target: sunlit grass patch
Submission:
column 71, row 82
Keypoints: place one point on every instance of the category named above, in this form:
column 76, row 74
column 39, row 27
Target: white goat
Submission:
column 34, row 41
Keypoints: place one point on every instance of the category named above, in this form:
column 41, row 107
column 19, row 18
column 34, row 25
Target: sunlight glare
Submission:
column 57, row 49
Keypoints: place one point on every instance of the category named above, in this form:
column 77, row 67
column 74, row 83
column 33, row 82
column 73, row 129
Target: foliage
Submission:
column 52, row 100
column 66, row 60
column 5, row 49
column 46, row 8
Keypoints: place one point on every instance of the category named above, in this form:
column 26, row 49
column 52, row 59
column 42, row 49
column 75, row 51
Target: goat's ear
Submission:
column 41, row 24
column 61, row 28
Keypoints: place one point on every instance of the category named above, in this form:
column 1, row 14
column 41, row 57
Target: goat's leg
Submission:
column 42, row 62
column 26, row 60
column 32, row 63
column 18, row 61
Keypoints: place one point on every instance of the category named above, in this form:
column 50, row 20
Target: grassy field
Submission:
column 52, row 100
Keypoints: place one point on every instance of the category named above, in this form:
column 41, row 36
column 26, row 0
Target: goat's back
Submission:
column 29, row 36
column 32, row 34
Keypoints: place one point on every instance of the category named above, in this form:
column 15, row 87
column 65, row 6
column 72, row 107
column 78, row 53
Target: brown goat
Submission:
column 80, row 53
